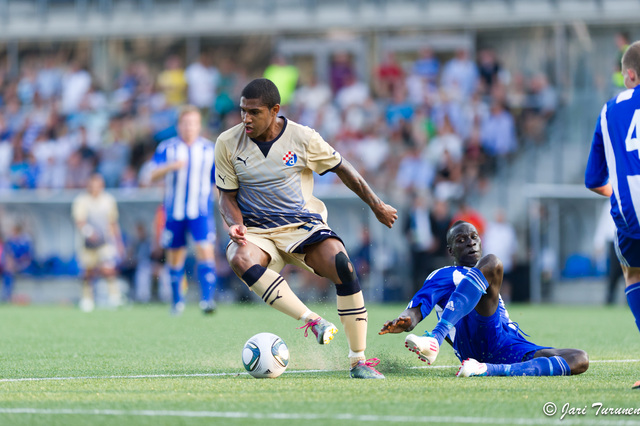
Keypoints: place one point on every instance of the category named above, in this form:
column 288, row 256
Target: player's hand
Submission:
column 386, row 214
column 237, row 234
column 398, row 325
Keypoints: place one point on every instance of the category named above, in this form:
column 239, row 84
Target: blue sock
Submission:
column 7, row 288
column 633, row 298
column 553, row 366
column 175, row 275
column 207, row 280
column 462, row 301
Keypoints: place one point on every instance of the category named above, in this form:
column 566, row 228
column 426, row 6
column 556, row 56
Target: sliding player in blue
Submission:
column 613, row 170
column 474, row 320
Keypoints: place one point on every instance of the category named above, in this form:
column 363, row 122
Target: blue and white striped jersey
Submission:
column 188, row 190
column 615, row 158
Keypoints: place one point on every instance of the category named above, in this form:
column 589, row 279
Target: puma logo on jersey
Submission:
column 244, row 161
column 276, row 298
column 222, row 178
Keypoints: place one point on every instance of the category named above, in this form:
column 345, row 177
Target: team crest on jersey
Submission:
column 290, row 159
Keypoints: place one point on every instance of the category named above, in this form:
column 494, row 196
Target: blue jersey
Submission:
column 18, row 246
column 188, row 190
column 494, row 339
column 615, row 159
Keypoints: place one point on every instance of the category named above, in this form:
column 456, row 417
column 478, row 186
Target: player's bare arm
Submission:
column 406, row 321
column 232, row 216
column 160, row 172
column 605, row 190
column 385, row 213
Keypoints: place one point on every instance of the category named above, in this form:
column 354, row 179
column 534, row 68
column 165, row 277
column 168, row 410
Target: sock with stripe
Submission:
column 175, row 276
column 462, row 301
column 354, row 318
column 275, row 292
column 633, row 298
column 553, row 366
column 207, row 280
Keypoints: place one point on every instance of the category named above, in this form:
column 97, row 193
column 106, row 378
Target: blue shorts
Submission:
column 490, row 339
column 627, row 250
column 175, row 232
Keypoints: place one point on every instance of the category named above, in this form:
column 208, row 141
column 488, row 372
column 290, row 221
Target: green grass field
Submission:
column 140, row 366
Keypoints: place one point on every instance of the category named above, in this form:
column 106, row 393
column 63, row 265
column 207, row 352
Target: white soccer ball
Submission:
column 265, row 355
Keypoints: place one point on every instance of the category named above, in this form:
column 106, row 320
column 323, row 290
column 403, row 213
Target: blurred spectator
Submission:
column 427, row 66
column 76, row 83
column 114, row 154
column 202, row 81
column 498, row 132
column 419, row 233
column 489, row 70
column 17, row 254
column 460, row 75
column 541, row 107
column 285, row 76
column 500, row 238
column 95, row 214
column 617, row 79
column 49, row 79
column 414, row 174
column 340, row 71
column 388, row 76
column 353, row 92
column 172, row 81
column 468, row 214
column 309, row 99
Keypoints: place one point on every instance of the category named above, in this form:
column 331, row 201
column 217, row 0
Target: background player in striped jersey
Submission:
column 613, row 170
column 264, row 170
column 474, row 320
column 187, row 164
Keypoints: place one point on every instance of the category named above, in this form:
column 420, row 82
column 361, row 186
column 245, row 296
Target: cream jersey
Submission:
column 99, row 212
column 274, row 179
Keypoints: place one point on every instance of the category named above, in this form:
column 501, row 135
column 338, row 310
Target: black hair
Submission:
column 450, row 231
column 263, row 89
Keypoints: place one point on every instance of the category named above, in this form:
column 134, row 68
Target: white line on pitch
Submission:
column 313, row 416
column 162, row 376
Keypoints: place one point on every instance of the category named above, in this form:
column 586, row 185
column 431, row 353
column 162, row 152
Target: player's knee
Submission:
column 491, row 267
column 347, row 274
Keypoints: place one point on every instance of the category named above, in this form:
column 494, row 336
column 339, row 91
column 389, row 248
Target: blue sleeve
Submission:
column 160, row 156
column 596, row 174
column 437, row 287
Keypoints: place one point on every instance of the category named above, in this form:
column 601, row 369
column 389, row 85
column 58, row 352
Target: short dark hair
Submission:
column 263, row 89
column 631, row 57
column 450, row 231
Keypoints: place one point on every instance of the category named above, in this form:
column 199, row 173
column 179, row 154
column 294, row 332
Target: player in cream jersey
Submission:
column 264, row 170
column 289, row 162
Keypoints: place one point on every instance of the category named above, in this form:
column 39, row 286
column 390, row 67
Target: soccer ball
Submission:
column 265, row 355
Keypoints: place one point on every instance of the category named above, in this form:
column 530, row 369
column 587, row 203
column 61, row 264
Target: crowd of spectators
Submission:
column 426, row 124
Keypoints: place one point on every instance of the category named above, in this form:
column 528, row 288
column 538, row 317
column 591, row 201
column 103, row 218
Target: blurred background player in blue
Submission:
column 186, row 162
column 95, row 214
column 474, row 319
column 613, row 170
column 17, row 256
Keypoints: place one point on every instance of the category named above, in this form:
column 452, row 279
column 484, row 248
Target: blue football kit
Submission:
column 615, row 159
column 495, row 339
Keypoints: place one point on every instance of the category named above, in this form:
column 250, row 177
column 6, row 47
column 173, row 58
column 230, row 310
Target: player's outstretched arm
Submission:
column 385, row 213
column 406, row 321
